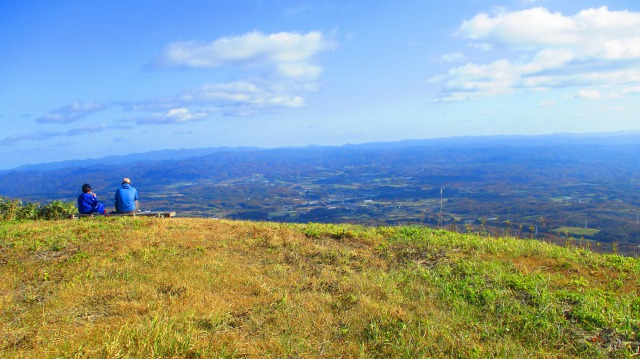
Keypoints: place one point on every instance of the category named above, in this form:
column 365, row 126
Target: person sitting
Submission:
column 126, row 198
column 88, row 202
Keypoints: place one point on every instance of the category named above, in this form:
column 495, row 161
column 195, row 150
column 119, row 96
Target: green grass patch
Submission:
column 197, row 288
column 577, row 231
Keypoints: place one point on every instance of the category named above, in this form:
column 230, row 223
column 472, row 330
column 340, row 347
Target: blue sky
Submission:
column 87, row 79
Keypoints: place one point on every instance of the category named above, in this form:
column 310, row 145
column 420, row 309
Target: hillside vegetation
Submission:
column 172, row 288
column 540, row 186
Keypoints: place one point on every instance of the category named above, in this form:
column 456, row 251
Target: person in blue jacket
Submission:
column 126, row 198
column 88, row 202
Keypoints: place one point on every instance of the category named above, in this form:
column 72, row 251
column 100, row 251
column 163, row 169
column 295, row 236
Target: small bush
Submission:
column 15, row 210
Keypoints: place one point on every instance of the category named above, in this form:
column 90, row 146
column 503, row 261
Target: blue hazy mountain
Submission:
column 551, row 183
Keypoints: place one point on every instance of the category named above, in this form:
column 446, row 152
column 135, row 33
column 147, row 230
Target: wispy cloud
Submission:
column 228, row 97
column 591, row 94
column 47, row 135
column 548, row 103
column 595, row 47
column 631, row 90
column 453, row 57
column 299, row 9
column 72, row 113
column 240, row 98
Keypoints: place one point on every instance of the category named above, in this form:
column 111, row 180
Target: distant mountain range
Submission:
column 131, row 158
column 614, row 138
column 588, row 185
column 57, row 180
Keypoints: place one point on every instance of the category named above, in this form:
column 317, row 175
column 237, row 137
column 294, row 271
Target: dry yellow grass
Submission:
column 146, row 287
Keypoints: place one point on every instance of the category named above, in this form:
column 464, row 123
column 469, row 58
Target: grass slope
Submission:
column 147, row 287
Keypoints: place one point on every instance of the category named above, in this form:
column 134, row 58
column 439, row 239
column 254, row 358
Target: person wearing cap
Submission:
column 88, row 202
column 126, row 198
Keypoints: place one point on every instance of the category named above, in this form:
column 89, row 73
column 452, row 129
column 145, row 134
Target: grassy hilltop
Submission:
column 146, row 287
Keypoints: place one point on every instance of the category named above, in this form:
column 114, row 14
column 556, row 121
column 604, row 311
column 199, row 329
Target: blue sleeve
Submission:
column 87, row 203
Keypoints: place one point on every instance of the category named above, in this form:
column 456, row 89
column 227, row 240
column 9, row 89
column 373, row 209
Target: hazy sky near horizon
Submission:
column 87, row 79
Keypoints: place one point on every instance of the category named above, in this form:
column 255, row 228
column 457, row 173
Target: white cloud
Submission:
column 595, row 47
column 472, row 80
column 71, row 113
column 285, row 65
column 276, row 51
column 174, row 115
column 533, row 27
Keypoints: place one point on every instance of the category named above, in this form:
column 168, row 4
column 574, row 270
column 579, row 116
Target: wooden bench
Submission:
column 136, row 214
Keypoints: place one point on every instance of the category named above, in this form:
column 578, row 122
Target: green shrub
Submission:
column 15, row 210
column 9, row 208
